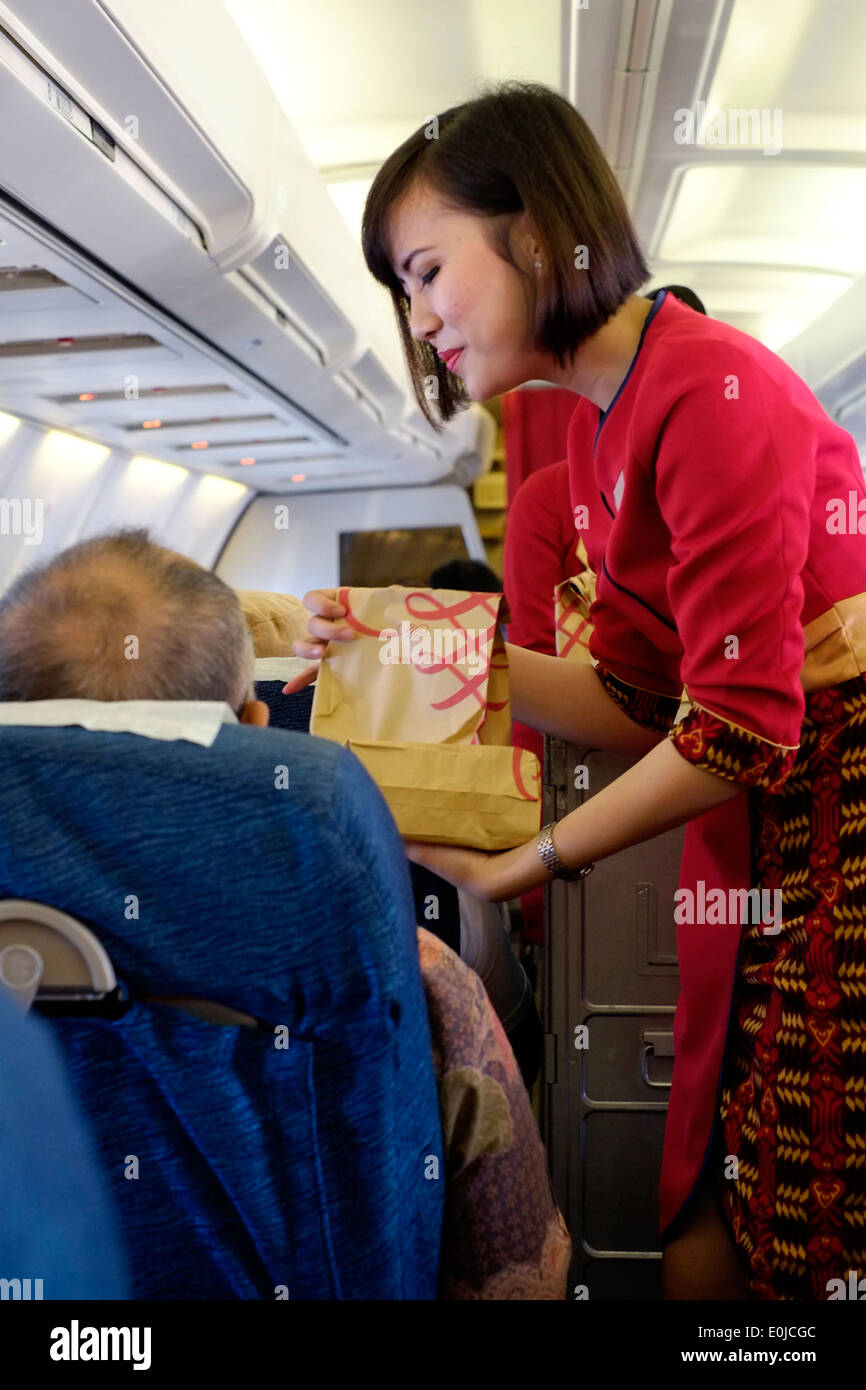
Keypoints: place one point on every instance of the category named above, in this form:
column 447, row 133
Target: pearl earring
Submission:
column 538, row 265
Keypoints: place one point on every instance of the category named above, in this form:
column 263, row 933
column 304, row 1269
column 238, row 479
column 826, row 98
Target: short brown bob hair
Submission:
column 518, row 146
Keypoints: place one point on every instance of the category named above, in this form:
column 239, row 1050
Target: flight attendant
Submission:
column 714, row 484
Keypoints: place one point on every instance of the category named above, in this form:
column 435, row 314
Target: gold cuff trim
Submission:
column 714, row 714
column 658, row 694
column 835, row 644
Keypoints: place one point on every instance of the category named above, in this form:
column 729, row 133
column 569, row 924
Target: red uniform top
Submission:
column 540, row 552
column 540, row 545
column 713, row 473
column 708, row 504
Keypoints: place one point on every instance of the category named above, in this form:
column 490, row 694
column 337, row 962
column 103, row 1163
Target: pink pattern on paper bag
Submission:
column 518, row 780
column 468, row 685
column 576, row 637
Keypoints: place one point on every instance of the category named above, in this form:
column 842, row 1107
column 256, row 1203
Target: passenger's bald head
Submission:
column 119, row 618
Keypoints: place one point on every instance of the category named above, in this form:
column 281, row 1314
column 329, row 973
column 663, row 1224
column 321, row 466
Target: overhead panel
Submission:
column 269, row 273
column 139, row 385
column 191, row 214
column 754, row 183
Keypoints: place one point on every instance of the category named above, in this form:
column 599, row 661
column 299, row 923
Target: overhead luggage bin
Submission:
column 830, row 355
column 122, row 373
column 187, row 179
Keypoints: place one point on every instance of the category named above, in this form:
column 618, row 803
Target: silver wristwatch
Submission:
column 552, row 862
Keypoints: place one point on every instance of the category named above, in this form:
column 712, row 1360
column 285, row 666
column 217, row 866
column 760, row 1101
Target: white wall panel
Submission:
column 204, row 517
column 262, row 555
column 74, row 489
column 138, row 492
column 58, row 483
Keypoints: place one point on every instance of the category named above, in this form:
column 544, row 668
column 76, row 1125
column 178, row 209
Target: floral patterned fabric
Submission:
column 714, row 745
column 793, row 1096
column 705, row 739
column 645, row 707
column 503, row 1237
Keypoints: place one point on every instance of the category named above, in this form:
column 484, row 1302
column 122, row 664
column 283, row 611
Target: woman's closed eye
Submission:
column 429, row 275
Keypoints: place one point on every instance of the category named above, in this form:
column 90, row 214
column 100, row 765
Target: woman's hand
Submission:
column 470, row 869
column 326, row 625
column 492, row 877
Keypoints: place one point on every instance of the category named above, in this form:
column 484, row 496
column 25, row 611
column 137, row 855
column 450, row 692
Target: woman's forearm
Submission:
column 567, row 699
column 659, row 792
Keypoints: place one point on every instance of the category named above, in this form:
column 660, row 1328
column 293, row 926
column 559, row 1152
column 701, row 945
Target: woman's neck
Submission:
column 601, row 363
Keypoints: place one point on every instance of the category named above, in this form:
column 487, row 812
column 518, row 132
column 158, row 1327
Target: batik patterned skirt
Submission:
column 793, row 1092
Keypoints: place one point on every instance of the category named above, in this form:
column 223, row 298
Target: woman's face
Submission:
column 464, row 299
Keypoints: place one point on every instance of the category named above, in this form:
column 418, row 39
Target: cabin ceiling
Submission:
column 769, row 240
column 772, row 241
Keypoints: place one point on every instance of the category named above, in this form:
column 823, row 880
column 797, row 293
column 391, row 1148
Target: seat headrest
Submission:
column 198, row 721
column 264, row 872
column 274, row 620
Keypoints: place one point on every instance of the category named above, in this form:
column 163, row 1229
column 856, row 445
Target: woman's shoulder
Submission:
column 688, row 350
column 703, row 373
column 697, row 338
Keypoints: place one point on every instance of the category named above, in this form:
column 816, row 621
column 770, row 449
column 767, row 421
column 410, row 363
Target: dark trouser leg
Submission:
column 526, row 1043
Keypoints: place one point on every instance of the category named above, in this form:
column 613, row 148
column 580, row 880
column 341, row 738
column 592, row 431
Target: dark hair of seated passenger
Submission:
column 471, row 575
column 120, row 618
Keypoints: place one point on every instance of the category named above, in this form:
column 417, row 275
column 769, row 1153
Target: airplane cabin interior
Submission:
column 258, row 1029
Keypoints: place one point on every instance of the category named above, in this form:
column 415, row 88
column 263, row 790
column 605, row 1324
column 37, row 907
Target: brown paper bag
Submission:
column 478, row 796
column 421, row 697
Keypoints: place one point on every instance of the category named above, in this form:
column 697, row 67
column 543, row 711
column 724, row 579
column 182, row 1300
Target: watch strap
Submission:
column 552, row 862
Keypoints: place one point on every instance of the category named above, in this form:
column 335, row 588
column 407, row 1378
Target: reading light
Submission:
column 8, row 426
column 216, row 491
column 68, row 451
column 151, row 482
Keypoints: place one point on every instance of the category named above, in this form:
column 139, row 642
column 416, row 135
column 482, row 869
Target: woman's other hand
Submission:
column 484, row 875
column 326, row 625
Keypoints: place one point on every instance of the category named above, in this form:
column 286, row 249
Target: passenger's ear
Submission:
column 255, row 712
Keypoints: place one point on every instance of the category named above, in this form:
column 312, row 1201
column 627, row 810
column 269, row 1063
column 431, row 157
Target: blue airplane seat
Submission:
column 286, row 711
column 294, row 712
column 58, row 1234
column 265, row 875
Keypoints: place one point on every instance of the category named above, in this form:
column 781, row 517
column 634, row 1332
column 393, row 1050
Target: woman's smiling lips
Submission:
column 450, row 357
